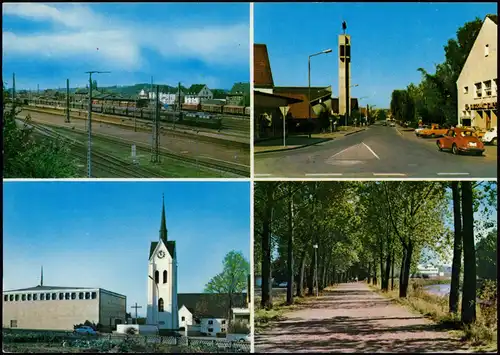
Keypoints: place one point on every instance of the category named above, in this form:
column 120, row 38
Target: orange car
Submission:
column 433, row 132
column 460, row 140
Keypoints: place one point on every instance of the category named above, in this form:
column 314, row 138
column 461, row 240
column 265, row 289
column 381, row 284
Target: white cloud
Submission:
column 120, row 43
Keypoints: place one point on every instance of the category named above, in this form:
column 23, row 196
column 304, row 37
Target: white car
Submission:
column 392, row 124
column 85, row 330
column 490, row 136
column 420, row 129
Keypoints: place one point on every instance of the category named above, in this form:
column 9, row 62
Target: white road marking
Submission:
column 334, row 155
column 325, row 174
column 388, row 174
column 453, row 173
column 370, row 149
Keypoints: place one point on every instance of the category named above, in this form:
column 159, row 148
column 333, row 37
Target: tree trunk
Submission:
column 406, row 271
column 289, row 286
column 300, row 285
column 382, row 273
column 469, row 286
column 375, row 280
column 387, row 270
column 369, row 278
column 392, row 269
column 457, row 249
column 310, row 276
column 266, row 252
column 333, row 275
column 402, row 290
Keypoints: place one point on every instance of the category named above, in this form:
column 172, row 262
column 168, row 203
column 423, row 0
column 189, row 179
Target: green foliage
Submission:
column 233, row 278
column 486, row 255
column 239, row 327
column 435, row 98
column 28, row 157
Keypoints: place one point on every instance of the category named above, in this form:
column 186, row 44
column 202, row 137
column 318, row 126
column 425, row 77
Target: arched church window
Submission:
column 160, row 305
column 157, row 276
column 165, row 276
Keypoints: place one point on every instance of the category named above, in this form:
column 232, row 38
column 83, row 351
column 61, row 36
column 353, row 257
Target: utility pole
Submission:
column 136, row 307
column 89, row 151
column 155, row 156
column 67, row 100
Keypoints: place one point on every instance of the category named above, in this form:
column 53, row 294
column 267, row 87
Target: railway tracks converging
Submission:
column 112, row 164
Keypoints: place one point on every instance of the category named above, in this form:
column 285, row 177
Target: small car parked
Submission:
column 460, row 140
column 490, row 137
column 85, row 330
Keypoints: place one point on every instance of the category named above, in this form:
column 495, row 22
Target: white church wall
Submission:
column 166, row 290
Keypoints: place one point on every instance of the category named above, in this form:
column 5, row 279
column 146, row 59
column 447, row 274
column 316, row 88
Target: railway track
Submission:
column 101, row 162
column 209, row 163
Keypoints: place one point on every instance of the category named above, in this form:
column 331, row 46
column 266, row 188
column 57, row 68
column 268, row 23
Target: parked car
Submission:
column 433, row 132
column 460, row 140
column 490, row 137
column 392, row 124
column 420, row 129
column 85, row 330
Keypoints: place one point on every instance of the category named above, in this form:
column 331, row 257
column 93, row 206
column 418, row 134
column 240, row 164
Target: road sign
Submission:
column 284, row 110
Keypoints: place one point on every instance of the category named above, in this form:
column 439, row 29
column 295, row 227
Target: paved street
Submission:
column 378, row 152
column 353, row 318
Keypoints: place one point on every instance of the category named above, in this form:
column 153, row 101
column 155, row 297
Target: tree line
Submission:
column 434, row 99
column 316, row 234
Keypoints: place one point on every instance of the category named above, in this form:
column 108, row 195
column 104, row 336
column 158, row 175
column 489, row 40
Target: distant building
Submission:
column 239, row 95
column 60, row 308
column 207, row 313
column 169, row 96
column 477, row 83
column 428, row 270
column 197, row 93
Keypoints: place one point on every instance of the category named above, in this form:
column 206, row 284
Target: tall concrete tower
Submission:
column 344, row 74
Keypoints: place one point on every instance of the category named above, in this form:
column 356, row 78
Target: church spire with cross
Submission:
column 163, row 225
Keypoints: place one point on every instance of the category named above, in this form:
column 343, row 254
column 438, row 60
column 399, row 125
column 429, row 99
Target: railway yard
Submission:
column 184, row 151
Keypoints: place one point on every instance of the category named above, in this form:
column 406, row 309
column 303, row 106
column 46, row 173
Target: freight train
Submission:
column 220, row 109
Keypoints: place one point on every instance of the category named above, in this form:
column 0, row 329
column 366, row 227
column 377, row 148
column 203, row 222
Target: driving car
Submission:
column 392, row 124
column 85, row 330
column 433, row 132
column 490, row 137
column 460, row 140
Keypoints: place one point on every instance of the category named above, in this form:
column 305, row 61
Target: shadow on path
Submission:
column 352, row 318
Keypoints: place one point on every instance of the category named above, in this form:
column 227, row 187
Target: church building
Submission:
column 162, row 309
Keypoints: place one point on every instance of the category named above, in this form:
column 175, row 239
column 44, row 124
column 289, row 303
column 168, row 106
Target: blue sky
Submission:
column 97, row 234
column 390, row 41
column 45, row 43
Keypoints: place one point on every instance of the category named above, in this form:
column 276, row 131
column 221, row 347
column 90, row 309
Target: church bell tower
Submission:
column 162, row 307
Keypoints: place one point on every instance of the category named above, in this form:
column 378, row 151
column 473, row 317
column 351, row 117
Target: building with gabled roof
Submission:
column 239, row 95
column 197, row 93
column 477, row 96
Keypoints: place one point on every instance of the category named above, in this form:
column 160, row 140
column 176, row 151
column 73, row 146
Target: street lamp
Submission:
column 89, row 153
column 315, row 246
column 326, row 51
column 155, row 302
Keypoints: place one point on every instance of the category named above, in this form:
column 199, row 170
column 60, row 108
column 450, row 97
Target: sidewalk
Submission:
column 301, row 141
column 353, row 318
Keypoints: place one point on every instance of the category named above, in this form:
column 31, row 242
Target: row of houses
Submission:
column 196, row 94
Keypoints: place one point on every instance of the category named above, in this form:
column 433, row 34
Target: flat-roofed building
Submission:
column 60, row 308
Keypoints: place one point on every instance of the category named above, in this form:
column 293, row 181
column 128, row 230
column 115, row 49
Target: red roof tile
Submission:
column 263, row 76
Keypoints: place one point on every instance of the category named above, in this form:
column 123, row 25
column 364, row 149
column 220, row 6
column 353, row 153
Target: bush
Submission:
column 239, row 327
column 220, row 335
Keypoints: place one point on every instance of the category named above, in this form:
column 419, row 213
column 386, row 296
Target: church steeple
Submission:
column 41, row 276
column 163, row 225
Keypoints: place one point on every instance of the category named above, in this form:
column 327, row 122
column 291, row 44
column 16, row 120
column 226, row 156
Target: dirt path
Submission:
column 353, row 318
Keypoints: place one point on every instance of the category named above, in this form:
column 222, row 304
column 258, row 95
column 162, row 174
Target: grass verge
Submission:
column 481, row 335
